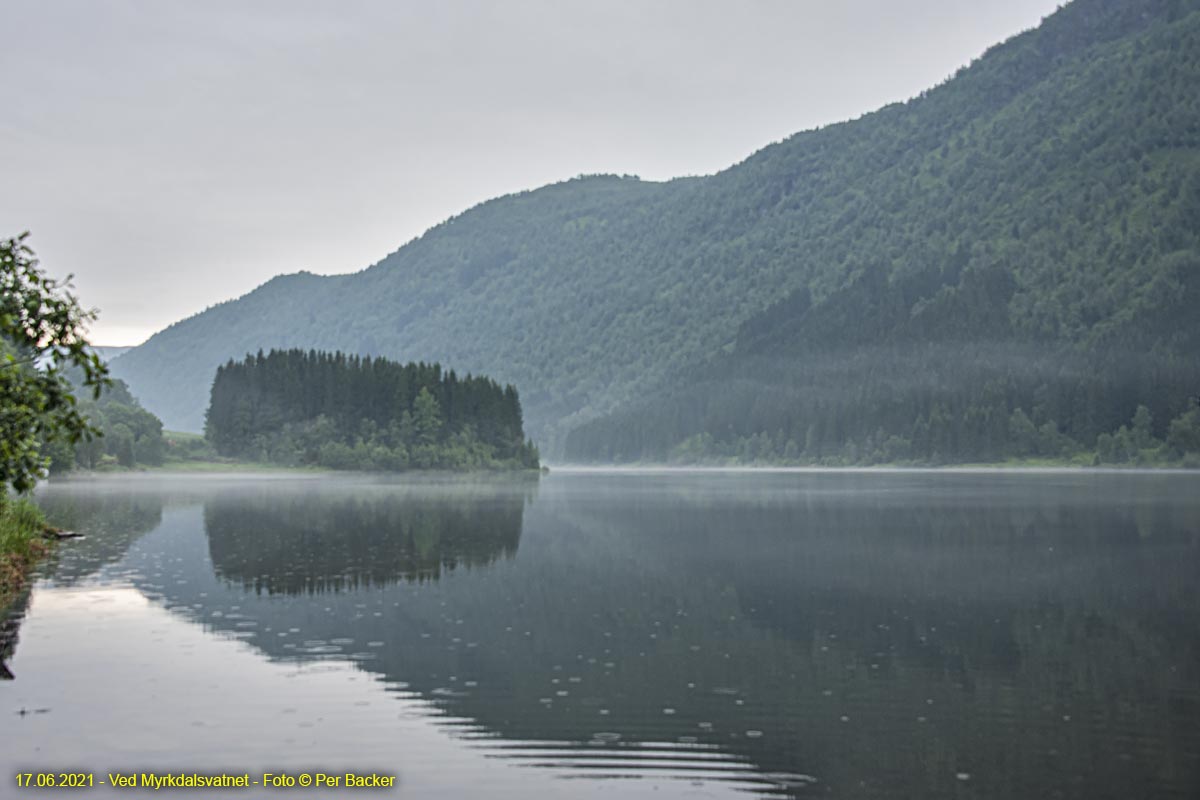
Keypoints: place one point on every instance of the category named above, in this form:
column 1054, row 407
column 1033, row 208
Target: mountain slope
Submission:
column 1049, row 262
column 1063, row 164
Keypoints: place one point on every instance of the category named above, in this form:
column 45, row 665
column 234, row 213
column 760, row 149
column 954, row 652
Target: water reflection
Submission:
column 280, row 541
column 859, row 635
column 111, row 518
column 10, row 628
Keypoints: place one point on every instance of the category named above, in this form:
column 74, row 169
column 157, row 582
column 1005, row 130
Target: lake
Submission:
column 958, row 634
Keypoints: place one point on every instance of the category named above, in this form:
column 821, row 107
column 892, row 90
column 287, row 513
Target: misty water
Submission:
column 873, row 634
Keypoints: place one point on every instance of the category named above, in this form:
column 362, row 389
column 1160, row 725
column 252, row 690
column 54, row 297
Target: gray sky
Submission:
column 176, row 154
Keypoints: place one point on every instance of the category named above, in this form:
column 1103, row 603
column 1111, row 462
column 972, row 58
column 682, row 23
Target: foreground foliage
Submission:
column 344, row 412
column 41, row 338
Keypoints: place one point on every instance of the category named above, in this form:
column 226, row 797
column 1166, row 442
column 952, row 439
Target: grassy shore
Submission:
column 21, row 545
column 225, row 465
column 1148, row 461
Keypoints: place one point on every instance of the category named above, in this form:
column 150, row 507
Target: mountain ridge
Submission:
column 594, row 293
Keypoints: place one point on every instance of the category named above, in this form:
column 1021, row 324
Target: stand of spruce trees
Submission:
column 296, row 407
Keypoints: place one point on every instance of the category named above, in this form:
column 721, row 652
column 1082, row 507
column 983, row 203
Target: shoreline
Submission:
column 997, row 467
column 220, row 471
column 23, row 545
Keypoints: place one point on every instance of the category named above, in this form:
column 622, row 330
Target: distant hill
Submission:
column 106, row 354
column 109, row 353
column 1037, row 209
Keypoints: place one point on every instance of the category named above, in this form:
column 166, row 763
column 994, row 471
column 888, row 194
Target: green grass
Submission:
column 20, row 523
column 1153, row 458
column 183, row 446
column 21, row 544
column 225, row 465
column 191, row 452
column 1037, row 462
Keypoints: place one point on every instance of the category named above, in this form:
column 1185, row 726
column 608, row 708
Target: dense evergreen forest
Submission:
column 297, row 407
column 1021, row 238
column 923, row 406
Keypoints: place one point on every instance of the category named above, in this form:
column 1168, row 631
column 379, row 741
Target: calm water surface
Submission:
column 850, row 635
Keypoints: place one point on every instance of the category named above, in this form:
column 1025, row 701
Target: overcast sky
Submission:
column 176, row 154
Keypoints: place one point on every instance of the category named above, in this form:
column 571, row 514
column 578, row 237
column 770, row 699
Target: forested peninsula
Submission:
column 338, row 411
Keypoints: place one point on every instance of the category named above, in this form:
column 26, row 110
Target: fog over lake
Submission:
column 623, row 633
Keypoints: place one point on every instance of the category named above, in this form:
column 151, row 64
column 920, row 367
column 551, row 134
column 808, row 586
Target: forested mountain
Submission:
column 345, row 412
column 109, row 353
column 1021, row 237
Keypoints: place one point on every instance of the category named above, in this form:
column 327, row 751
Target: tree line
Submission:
column 339, row 411
column 124, row 434
column 927, row 404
